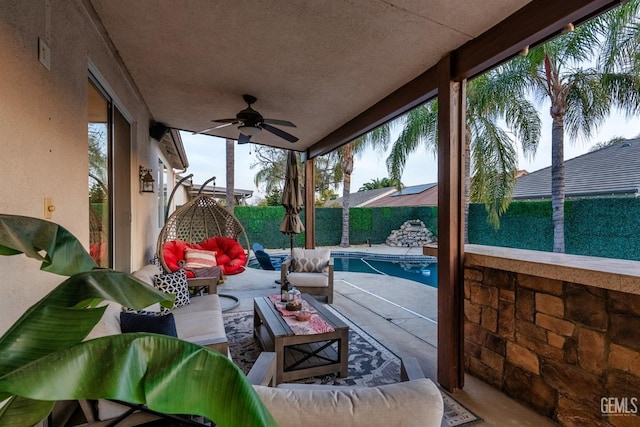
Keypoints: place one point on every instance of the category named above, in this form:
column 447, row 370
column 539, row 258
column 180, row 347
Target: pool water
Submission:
column 422, row 269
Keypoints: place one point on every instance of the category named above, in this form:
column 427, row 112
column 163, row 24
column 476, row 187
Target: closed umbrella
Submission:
column 292, row 199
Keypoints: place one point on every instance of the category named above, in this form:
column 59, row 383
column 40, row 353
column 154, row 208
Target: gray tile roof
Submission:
column 613, row 170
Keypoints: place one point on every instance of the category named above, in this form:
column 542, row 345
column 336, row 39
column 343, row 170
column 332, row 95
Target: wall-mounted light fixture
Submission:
column 146, row 180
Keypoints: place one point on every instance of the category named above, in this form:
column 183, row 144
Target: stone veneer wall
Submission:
column 558, row 347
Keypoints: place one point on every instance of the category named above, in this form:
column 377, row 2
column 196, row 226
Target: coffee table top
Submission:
column 279, row 326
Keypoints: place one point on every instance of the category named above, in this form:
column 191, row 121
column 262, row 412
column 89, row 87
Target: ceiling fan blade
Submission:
column 279, row 132
column 212, row 128
column 231, row 121
column 279, row 122
column 243, row 139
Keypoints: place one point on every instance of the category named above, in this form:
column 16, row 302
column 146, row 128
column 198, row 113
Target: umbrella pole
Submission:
column 291, row 236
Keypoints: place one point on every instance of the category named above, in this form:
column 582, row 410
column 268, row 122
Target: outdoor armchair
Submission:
column 310, row 271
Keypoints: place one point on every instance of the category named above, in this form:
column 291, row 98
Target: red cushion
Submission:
column 229, row 254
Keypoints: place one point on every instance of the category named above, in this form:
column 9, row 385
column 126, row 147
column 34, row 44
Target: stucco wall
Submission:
column 43, row 134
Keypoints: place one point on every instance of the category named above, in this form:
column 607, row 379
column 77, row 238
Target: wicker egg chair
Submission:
column 200, row 219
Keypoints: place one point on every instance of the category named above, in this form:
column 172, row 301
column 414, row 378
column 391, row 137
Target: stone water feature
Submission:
column 412, row 233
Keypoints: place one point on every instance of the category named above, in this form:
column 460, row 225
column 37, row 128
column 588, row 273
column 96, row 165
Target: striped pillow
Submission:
column 198, row 258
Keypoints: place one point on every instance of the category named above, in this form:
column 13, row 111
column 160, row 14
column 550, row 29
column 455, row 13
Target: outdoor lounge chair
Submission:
column 310, row 271
column 415, row 401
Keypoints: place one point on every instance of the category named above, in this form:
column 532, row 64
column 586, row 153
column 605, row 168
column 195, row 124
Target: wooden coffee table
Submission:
column 301, row 356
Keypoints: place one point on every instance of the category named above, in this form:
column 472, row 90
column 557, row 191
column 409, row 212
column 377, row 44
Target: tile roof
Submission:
column 613, row 170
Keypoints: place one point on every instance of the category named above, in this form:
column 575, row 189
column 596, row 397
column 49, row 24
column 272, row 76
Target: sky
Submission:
column 207, row 157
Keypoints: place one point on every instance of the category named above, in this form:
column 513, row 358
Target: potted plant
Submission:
column 43, row 357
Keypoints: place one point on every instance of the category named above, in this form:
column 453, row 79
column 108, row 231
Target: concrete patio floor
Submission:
column 402, row 315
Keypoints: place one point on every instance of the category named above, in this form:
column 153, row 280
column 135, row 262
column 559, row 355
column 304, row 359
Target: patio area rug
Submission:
column 370, row 363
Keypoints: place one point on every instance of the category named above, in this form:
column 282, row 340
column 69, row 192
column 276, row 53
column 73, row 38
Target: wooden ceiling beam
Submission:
column 535, row 23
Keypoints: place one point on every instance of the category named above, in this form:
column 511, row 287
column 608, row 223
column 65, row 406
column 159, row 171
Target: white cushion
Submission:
column 309, row 280
column 413, row 403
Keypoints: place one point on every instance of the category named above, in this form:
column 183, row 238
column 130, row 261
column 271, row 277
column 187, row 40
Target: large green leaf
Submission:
column 65, row 317
column 64, row 254
column 166, row 374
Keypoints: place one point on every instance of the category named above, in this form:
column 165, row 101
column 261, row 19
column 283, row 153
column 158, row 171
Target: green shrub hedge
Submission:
column 606, row 227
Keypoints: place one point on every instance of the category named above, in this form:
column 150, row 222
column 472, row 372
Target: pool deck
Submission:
column 402, row 315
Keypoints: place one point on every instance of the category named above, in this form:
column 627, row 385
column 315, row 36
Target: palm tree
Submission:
column 491, row 97
column 584, row 74
column 379, row 139
column 377, row 183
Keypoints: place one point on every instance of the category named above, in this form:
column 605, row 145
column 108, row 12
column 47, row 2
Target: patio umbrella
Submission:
column 292, row 199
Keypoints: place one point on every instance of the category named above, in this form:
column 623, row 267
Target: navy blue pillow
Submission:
column 134, row 322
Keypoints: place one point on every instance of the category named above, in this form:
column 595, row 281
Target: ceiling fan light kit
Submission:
column 250, row 123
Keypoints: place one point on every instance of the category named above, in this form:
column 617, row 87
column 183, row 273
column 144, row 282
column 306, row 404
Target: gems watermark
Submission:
column 619, row 406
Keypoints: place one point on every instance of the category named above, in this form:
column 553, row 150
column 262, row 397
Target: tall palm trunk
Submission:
column 557, row 181
column 347, row 169
column 230, row 178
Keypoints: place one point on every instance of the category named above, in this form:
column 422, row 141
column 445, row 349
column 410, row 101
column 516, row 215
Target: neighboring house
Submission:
column 415, row 195
column 613, row 171
column 361, row 198
column 220, row 193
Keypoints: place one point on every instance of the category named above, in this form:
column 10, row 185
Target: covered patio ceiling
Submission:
column 335, row 68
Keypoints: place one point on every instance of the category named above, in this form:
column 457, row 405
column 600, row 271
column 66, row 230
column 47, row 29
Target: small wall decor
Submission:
column 146, row 180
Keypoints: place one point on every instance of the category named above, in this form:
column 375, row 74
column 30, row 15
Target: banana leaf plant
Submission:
column 44, row 358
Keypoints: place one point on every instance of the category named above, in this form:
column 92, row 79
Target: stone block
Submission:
column 540, row 347
column 549, row 304
column 621, row 302
column 529, row 388
column 506, row 319
column 483, row 295
column 621, row 384
column 525, row 304
column 591, row 351
column 473, row 275
column 571, row 351
column 522, row 357
column 628, row 420
column 485, row 373
column 467, row 289
column 489, row 319
column 624, row 359
column 531, row 329
column 573, row 383
column 474, row 333
column 472, row 349
column 585, row 305
column 540, row 284
column 555, row 340
column 507, row 295
column 625, row 330
column 554, row 324
column 574, row 414
column 496, row 344
column 472, row 312
column 492, row 360
column 500, row 279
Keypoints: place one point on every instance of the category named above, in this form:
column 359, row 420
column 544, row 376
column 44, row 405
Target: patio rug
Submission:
column 370, row 363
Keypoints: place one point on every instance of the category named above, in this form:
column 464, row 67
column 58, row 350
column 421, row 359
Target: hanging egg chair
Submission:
column 204, row 224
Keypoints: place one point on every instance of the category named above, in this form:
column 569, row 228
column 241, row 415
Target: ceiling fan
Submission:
column 251, row 123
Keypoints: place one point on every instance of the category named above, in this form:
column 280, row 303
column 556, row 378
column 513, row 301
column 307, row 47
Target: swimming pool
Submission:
column 419, row 268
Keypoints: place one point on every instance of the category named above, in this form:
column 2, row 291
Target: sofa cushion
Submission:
column 174, row 283
column 134, row 322
column 309, row 260
column 199, row 322
column 412, row 403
